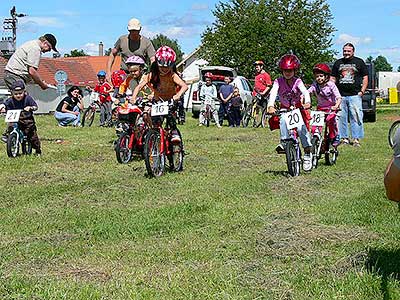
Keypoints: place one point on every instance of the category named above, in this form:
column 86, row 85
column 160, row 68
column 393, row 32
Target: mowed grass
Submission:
column 75, row 224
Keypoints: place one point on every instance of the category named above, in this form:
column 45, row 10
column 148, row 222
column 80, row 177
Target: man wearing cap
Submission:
column 24, row 63
column 131, row 44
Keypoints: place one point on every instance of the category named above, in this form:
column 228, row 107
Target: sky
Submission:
column 372, row 26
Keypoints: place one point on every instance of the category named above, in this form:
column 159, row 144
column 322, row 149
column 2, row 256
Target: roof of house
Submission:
column 81, row 70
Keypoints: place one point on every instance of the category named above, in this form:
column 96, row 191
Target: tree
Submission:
column 76, row 53
column 249, row 30
column 369, row 59
column 162, row 40
column 381, row 64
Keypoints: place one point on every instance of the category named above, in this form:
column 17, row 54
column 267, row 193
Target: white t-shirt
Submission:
column 28, row 55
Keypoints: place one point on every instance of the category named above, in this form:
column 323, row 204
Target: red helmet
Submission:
column 118, row 77
column 324, row 68
column 258, row 63
column 289, row 62
column 165, row 56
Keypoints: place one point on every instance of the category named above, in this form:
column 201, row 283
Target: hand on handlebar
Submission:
column 271, row 110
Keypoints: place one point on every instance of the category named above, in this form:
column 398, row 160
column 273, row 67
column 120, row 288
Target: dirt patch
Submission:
column 83, row 274
column 389, row 118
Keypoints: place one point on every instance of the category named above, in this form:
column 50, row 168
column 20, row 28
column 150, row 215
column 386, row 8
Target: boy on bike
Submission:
column 104, row 89
column 290, row 90
column 21, row 100
column 209, row 92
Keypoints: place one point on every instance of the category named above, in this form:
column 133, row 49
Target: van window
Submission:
column 246, row 85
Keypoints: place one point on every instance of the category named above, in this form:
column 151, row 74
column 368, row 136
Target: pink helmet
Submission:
column 324, row 68
column 165, row 56
column 289, row 62
column 135, row 60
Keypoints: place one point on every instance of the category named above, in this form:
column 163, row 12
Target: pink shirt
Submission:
column 328, row 93
column 288, row 94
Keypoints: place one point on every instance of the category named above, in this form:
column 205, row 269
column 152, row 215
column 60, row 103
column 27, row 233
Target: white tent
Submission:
column 191, row 73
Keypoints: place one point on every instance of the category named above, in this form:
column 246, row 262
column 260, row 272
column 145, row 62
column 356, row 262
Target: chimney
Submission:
column 101, row 49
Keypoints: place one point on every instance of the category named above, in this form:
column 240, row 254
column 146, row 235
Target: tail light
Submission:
column 194, row 96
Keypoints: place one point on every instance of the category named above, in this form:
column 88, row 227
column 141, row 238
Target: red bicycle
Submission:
column 158, row 143
column 132, row 130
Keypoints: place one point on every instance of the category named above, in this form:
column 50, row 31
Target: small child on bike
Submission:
column 104, row 89
column 208, row 92
column 290, row 89
column 163, row 80
column 328, row 98
column 21, row 100
column 234, row 112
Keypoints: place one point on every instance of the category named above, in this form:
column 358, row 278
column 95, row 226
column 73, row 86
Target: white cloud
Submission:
column 176, row 32
column 41, row 21
column 199, row 6
column 347, row 38
column 91, row 48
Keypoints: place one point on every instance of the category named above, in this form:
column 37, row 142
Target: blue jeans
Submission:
column 351, row 108
column 303, row 133
column 67, row 118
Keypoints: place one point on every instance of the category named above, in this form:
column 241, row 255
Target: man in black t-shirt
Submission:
column 351, row 76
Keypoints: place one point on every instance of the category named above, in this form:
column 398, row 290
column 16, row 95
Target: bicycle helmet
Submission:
column 289, row 62
column 324, row 68
column 101, row 74
column 165, row 56
column 118, row 77
column 135, row 60
column 258, row 63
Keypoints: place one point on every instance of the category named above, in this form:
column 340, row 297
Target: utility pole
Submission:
column 8, row 44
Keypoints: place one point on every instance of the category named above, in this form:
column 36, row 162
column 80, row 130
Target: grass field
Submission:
column 75, row 224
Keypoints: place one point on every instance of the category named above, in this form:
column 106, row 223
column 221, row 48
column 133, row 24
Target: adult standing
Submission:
column 225, row 93
column 131, row 44
column 24, row 63
column 351, row 76
column 68, row 110
column 262, row 81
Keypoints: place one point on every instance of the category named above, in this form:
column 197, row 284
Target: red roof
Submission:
column 81, row 70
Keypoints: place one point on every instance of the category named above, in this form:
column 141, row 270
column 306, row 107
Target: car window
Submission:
column 245, row 84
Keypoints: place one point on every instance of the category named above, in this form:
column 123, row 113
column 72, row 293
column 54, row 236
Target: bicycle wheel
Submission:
column 122, row 151
column 153, row 157
column 176, row 155
column 315, row 143
column 26, row 147
column 88, row 117
column 264, row 118
column 12, row 145
column 247, row 115
column 292, row 159
column 331, row 154
column 207, row 116
column 258, row 116
column 392, row 131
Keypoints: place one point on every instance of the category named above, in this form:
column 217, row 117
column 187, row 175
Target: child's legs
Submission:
column 283, row 129
column 304, row 136
column 29, row 129
column 332, row 126
column 202, row 109
column 108, row 112
column 237, row 117
column 103, row 109
column 215, row 113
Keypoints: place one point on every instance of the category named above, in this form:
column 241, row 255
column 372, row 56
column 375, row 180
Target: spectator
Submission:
column 225, row 93
column 392, row 174
column 234, row 108
column 24, row 63
column 68, row 110
column 351, row 76
column 104, row 89
column 129, row 45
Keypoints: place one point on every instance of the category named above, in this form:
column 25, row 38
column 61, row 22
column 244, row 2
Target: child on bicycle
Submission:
column 328, row 98
column 290, row 88
column 163, row 80
column 21, row 100
column 208, row 92
column 104, row 89
column 235, row 107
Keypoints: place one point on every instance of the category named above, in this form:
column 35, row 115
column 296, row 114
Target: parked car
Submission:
column 218, row 74
column 4, row 95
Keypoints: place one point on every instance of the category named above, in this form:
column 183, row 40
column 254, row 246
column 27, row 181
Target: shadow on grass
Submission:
column 385, row 263
column 277, row 173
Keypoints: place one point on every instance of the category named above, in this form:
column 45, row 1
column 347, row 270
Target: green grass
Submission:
column 75, row 224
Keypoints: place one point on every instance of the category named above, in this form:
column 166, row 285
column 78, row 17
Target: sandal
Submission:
column 356, row 143
column 345, row 141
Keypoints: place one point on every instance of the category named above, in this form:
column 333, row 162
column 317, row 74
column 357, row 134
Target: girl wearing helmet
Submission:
column 328, row 98
column 163, row 80
column 104, row 89
column 291, row 90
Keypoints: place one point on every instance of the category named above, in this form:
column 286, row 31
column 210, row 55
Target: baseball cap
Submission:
column 18, row 85
column 134, row 24
column 52, row 40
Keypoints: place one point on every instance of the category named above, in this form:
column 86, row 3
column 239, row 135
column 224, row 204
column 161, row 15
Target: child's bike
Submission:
column 90, row 112
column 16, row 138
column 321, row 142
column 158, row 144
column 131, row 131
column 255, row 113
column 208, row 111
column 392, row 131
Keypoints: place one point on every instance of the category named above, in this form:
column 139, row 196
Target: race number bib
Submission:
column 159, row 109
column 293, row 119
column 317, row 118
column 13, row 115
column 94, row 97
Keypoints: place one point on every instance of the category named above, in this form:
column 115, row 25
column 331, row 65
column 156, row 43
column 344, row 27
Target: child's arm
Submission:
column 30, row 108
column 306, row 95
column 272, row 97
column 2, row 108
column 139, row 87
column 183, row 87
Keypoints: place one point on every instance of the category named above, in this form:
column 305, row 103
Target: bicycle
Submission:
column 16, row 138
column 322, row 144
column 131, row 134
column 90, row 112
column 158, row 145
column 208, row 110
column 392, row 131
column 255, row 112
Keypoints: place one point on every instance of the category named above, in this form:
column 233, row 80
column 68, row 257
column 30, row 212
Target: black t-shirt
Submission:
column 349, row 75
column 71, row 103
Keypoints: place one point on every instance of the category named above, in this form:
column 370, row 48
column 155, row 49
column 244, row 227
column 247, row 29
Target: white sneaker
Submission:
column 307, row 162
column 219, row 126
column 200, row 124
